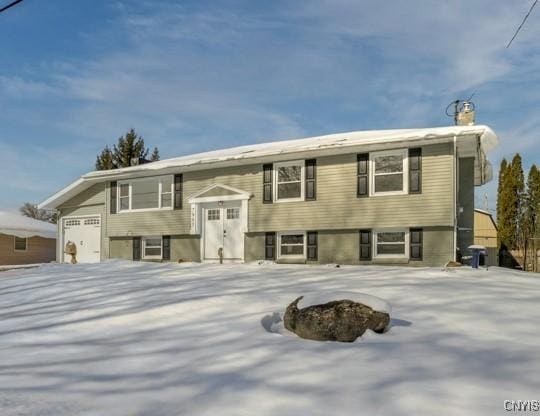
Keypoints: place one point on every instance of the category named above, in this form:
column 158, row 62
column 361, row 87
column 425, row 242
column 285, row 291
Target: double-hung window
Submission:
column 145, row 194
column 389, row 172
column 292, row 244
column 289, row 181
column 391, row 243
column 152, row 248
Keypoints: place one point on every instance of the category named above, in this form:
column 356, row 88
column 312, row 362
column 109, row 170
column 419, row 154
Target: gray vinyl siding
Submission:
column 89, row 202
column 336, row 207
column 121, row 248
column 183, row 248
column 337, row 213
column 343, row 247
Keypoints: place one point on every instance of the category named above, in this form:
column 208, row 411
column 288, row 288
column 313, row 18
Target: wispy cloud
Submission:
column 191, row 77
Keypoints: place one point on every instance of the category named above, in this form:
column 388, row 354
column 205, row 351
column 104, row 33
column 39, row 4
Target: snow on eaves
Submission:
column 24, row 227
column 329, row 142
column 332, row 143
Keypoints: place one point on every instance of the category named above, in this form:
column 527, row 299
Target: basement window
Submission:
column 292, row 245
column 391, row 244
column 20, row 244
column 152, row 248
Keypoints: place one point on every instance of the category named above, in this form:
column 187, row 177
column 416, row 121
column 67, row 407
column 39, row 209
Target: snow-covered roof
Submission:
column 319, row 145
column 25, row 227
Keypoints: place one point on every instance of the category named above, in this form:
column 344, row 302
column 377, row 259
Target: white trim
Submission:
column 390, row 256
column 405, row 172
column 219, row 198
column 15, row 244
column 159, row 193
column 196, row 215
column 61, row 233
column 196, row 198
column 291, row 256
column 143, row 247
column 302, row 164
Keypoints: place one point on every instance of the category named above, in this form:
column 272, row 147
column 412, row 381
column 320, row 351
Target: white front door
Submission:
column 85, row 232
column 223, row 229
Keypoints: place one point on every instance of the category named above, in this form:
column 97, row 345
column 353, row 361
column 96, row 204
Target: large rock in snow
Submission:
column 339, row 320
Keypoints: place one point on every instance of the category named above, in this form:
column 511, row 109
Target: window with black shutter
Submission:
column 415, row 171
column 112, row 201
column 362, row 189
column 312, row 251
column 365, row 244
column 166, row 253
column 178, row 190
column 136, row 248
column 416, row 237
column 267, row 183
column 270, row 246
column 311, row 168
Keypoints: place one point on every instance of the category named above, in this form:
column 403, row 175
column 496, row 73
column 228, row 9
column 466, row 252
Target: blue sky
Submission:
column 195, row 76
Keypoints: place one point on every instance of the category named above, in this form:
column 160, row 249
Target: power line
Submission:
column 522, row 23
column 3, row 9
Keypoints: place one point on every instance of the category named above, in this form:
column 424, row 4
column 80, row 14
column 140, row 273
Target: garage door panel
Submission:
column 86, row 234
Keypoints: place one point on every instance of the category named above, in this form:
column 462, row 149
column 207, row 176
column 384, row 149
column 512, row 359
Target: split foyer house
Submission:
column 389, row 197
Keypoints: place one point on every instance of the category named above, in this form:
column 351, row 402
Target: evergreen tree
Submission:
column 516, row 183
column 503, row 219
column 155, row 155
column 130, row 147
column 532, row 216
column 104, row 161
column 32, row 211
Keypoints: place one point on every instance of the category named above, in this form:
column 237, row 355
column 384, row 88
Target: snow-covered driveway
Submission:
column 122, row 338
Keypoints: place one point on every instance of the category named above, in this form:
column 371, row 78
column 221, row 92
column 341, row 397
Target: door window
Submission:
column 213, row 214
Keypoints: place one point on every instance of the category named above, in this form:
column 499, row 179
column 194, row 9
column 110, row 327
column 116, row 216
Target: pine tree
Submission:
column 533, row 210
column 155, row 155
column 503, row 218
column 516, row 202
column 104, row 161
column 129, row 148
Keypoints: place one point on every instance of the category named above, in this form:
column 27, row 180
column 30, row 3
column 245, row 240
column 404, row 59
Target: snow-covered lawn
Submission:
column 122, row 338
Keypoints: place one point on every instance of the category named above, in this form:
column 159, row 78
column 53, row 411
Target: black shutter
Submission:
column 415, row 249
column 362, row 161
column 415, row 171
column 112, row 201
column 311, row 168
column 365, row 244
column 136, row 248
column 312, row 251
column 270, row 246
column 166, row 249
column 267, row 183
column 178, row 188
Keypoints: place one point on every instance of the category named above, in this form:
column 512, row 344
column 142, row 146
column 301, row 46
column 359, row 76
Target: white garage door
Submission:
column 86, row 234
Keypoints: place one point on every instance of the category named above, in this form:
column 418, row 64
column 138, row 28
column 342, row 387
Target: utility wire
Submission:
column 3, row 9
column 522, row 23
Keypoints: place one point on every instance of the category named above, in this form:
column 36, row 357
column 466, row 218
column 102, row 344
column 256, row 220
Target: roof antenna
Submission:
column 486, row 206
column 463, row 111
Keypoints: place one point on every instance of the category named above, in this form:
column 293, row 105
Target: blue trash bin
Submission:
column 476, row 251
column 475, row 261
